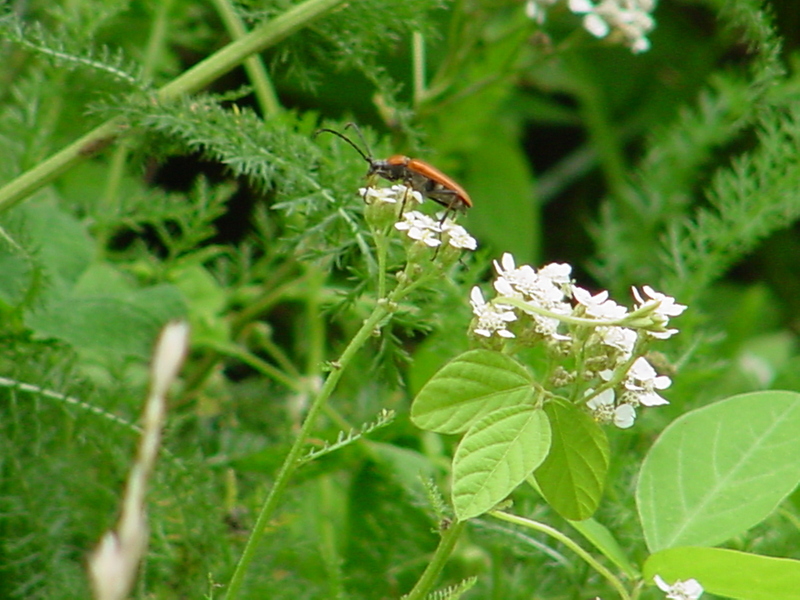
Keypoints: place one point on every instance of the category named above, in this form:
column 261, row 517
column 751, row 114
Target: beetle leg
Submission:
column 408, row 185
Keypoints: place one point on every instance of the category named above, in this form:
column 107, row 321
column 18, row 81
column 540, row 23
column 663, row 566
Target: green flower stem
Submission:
column 382, row 248
column 636, row 318
column 196, row 78
column 620, row 372
column 315, row 324
column 569, row 543
column 262, row 85
column 418, row 73
column 262, row 366
column 290, row 463
column 443, row 552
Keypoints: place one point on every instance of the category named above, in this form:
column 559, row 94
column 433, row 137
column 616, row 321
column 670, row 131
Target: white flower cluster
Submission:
column 390, row 195
column 418, row 226
column 628, row 20
column 430, row 232
column 680, row 590
column 545, row 305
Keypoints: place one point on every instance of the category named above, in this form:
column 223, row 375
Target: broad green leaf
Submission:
column 501, row 183
column 102, row 279
column 207, row 301
column 602, row 539
column 717, row 471
column 572, row 476
column 468, row 388
column 107, row 325
column 119, row 326
column 63, row 247
column 17, row 275
column 496, row 455
column 728, row 573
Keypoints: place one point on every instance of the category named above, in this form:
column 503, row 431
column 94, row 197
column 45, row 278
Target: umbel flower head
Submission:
column 592, row 339
column 394, row 209
column 626, row 21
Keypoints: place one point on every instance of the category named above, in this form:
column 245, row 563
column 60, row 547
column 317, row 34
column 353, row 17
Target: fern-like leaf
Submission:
column 384, row 418
column 67, row 54
column 453, row 592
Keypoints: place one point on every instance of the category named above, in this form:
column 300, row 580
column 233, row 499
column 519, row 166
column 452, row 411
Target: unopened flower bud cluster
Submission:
column 604, row 340
column 627, row 21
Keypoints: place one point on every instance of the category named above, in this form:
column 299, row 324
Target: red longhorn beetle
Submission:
column 414, row 173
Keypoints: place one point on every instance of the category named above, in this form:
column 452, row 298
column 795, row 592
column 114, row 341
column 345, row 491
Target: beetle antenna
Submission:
column 360, row 136
column 348, row 140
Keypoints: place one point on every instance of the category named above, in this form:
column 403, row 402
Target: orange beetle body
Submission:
column 414, row 173
column 424, row 178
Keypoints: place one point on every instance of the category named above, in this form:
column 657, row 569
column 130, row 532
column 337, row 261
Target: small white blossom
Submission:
column 630, row 20
column 580, row 6
column 667, row 307
column 558, row 273
column 420, row 227
column 492, row 318
column 459, row 237
column 541, row 288
column 596, row 25
column 377, row 194
column 642, row 381
column 505, row 288
column 621, row 338
column 390, row 195
column 662, row 335
column 522, row 280
column 604, row 410
column 537, row 9
column 663, row 307
column 680, row 590
column 598, row 306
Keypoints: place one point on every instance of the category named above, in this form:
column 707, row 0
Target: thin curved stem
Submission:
column 569, row 543
column 290, row 463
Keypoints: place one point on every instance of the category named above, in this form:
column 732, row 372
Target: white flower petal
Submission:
column 595, row 25
column 624, row 416
column 604, row 398
column 580, row 6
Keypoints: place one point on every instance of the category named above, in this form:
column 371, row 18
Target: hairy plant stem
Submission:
column 443, row 552
column 290, row 463
column 193, row 80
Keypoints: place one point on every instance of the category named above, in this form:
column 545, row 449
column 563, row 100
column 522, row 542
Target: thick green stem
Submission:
column 262, row 85
column 440, row 557
column 194, row 79
column 291, row 462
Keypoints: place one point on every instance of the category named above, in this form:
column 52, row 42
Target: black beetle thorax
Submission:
column 387, row 170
